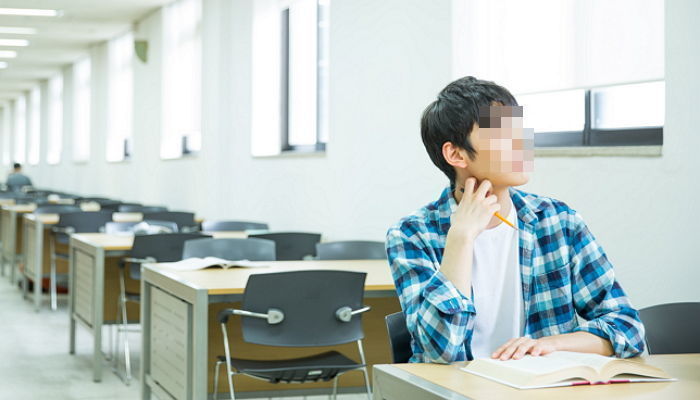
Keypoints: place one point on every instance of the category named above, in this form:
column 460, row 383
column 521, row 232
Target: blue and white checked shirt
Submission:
column 564, row 273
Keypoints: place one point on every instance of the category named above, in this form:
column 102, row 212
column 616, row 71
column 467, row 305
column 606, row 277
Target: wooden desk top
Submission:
column 684, row 367
column 50, row 219
column 125, row 242
column 233, row 280
column 20, row 208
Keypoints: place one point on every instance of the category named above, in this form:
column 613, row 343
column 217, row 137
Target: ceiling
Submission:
column 62, row 40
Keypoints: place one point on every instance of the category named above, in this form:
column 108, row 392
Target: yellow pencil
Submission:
column 499, row 216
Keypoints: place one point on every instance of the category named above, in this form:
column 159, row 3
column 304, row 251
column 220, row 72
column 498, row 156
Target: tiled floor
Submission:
column 34, row 359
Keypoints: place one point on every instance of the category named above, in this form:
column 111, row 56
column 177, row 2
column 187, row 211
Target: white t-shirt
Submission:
column 497, row 286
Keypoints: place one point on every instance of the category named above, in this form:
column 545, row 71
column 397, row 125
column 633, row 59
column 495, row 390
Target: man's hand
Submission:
column 581, row 342
column 475, row 210
column 519, row 347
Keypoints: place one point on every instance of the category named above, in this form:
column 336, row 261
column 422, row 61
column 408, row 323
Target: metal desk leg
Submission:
column 71, row 300
column 200, row 345
column 98, row 293
column 38, row 262
column 145, row 338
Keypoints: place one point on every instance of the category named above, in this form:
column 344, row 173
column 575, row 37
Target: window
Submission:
column 290, row 68
column 55, row 120
column 120, row 98
column 6, row 127
column 620, row 115
column 20, row 131
column 182, row 79
column 590, row 57
column 81, row 110
column 34, row 126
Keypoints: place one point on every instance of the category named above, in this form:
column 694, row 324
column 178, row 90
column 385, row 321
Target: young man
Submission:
column 472, row 286
column 16, row 180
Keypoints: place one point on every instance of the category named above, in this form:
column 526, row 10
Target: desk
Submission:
column 11, row 235
column 433, row 381
column 182, row 338
column 93, row 285
column 36, row 234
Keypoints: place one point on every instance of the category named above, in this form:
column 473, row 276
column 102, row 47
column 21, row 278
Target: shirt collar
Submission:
column 526, row 204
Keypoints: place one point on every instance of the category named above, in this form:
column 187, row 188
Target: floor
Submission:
column 34, row 359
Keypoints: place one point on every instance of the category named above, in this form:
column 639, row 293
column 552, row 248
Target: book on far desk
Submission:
column 195, row 263
column 563, row 368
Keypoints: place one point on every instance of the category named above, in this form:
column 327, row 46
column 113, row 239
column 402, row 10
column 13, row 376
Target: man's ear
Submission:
column 454, row 155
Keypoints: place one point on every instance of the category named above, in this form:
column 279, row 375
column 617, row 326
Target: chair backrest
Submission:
column 292, row 245
column 84, row 222
column 163, row 247
column 120, row 227
column 672, row 328
column 399, row 337
column 351, row 250
column 309, row 301
column 218, row 226
column 57, row 209
column 140, row 208
column 184, row 220
column 231, row 249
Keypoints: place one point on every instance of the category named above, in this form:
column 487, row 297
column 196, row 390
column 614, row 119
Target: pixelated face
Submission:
column 505, row 150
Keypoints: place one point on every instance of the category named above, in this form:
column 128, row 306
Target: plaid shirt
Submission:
column 564, row 273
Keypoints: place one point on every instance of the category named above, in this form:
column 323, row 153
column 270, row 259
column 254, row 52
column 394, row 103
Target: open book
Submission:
column 563, row 368
column 195, row 263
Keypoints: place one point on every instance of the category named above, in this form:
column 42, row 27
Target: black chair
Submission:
column 166, row 247
column 298, row 309
column 351, row 250
column 231, row 249
column 672, row 328
column 399, row 338
column 57, row 209
column 219, row 226
column 68, row 224
column 184, row 220
column 292, row 245
column 141, row 208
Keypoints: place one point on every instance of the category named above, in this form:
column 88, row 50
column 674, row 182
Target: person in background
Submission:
column 17, row 180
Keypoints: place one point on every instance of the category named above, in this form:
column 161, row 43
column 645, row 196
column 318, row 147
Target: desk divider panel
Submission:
column 170, row 351
column 84, row 286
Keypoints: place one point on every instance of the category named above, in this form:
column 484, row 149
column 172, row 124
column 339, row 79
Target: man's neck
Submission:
column 503, row 195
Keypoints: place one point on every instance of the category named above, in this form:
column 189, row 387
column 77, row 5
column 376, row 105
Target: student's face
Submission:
column 505, row 150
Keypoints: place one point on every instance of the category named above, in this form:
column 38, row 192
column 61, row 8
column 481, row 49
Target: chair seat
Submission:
column 323, row 366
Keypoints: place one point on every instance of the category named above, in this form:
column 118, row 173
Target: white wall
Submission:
column 388, row 60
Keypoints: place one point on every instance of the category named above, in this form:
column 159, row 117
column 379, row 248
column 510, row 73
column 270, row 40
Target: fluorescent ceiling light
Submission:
column 30, row 12
column 17, row 30
column 3, row 64
column 8, row 54
column 14, row 42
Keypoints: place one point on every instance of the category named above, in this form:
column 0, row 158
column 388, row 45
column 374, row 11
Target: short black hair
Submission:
column 451, row 117
column 17, row 165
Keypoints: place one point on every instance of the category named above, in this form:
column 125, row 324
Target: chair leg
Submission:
column 335, row 388
column 125, row 321
column 52, row 279
column 369, row 390
column 217, row 370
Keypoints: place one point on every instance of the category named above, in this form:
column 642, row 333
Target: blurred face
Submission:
column 505, row 150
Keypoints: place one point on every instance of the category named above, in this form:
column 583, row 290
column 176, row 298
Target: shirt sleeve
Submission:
column 438, row 316
column 599, row 298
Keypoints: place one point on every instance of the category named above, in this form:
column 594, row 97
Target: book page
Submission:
column 189, row 264
column 549, row 363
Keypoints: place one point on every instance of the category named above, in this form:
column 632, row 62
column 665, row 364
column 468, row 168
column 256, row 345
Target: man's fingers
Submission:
column 498, row 351
column 469, row 185
column 523, row 349
column 508, row 353
column 483, row 189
